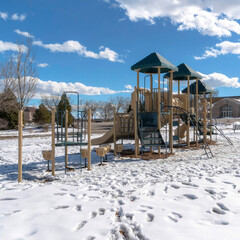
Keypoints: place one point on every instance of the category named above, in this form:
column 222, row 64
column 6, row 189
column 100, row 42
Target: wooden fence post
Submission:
column 114, row 130
column 20, row 126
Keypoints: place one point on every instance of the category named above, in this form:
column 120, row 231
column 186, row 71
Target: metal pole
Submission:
column 89, row 139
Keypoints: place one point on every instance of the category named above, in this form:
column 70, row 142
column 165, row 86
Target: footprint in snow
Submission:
column 90, row 238
column 129, row 216
column 190, row 196
column 218, row 210
column 94, row 214
column 151, row 193
column 190, row 184
column 145, row 206
column 101, row 211
column 150, row 217
column 120, row 202
column 80, row 225
column 175, row 186
column 210, row 191
column 175, row 216
column 223, row 207
column 132, row 198
column 59, row 194
column 8, row 199
column 61, row 207
column 78, row 208
column 221, row 222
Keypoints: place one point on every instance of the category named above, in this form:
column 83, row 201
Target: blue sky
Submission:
column 89, row 46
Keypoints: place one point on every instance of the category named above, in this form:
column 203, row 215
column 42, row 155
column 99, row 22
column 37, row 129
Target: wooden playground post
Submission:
column 188, row 108
column 53, row 142
column 89, row 139
column 20, row 126
column 210, row 117
column 114, row 130
column 197, row 111
column 151, row 93
column 178, row 117
column 204, row 117
column 171, row 112
column 66, row 139
column 159, row 106
column 151, row 99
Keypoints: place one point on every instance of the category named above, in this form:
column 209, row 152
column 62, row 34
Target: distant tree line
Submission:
column 100, row 109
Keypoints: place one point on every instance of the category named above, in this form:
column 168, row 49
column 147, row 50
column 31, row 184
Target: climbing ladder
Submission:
column 222, row 134
column 185, row 115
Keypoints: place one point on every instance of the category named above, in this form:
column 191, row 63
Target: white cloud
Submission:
column 57, row 88
column 18, row 17
column 209, row 17
column 220, row 80
column 3, row 15
column 76, row 47
column 42, row 65
column 25, row 34
column 8, row 46
column 222, row 48
column 130, row 87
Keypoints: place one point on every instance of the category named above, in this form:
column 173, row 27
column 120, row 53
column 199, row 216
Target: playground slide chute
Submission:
column 182, row 130
column 124, row 129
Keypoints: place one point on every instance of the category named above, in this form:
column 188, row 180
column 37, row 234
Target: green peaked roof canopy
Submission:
column 202, row 88
column 183, row 72
column 150, row 63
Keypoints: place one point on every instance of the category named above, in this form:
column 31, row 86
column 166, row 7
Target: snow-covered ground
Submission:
column 186, row 196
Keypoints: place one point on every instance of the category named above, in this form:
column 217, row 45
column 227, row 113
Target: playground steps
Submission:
column 148, row 131
column 150, row 137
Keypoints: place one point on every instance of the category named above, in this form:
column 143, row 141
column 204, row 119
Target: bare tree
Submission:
column 106, row 110
column 93, row 105
column 19, row 74
column 120, row 103
column 50, row 101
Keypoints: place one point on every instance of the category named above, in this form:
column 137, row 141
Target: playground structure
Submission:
column 159, row 119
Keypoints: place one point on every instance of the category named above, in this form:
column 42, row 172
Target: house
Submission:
column 226, row 107
column 28, row 114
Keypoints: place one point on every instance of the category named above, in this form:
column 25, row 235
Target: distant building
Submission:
column 226, row 107
column 28, row 114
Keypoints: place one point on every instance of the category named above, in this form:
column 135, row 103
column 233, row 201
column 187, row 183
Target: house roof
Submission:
column 151, row 63
column 202, row 88
column 236, row 101
column 183, row 72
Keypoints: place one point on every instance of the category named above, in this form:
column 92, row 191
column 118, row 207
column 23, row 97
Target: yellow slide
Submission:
column 124, row 129
column 182, row 131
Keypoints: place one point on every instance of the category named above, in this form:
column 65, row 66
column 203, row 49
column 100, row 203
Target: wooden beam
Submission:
column 197, row 111
column 114, row 130
column 20, row 126
column 178, row 117
column 159, row 105
column 188, row 108
column 66, row 139
column 151, row 94
column 89, row 139
column 171, row 111
column 211, row 118
column 53, row 142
